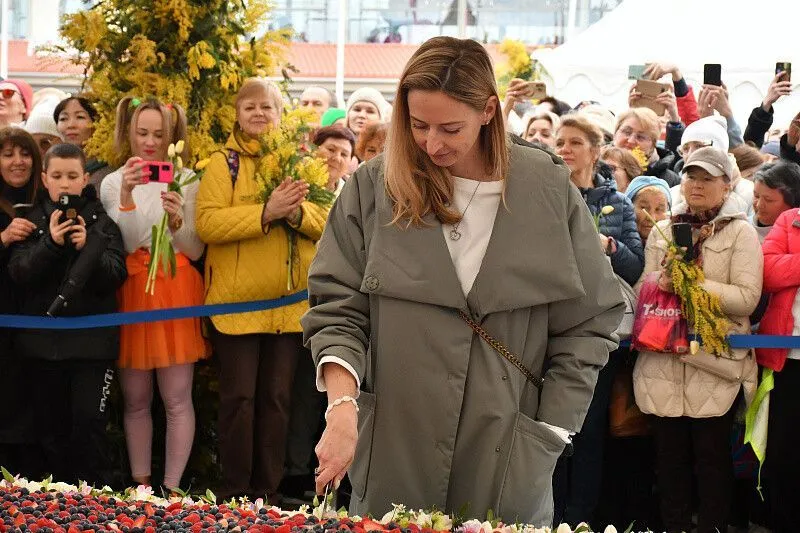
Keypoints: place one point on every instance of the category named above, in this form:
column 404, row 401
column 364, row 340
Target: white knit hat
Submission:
column 41, row 118
column 712, row 130
column 373, row 96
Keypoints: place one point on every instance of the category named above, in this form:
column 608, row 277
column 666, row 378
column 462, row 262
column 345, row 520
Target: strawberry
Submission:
column 371, row 525
column 273, row 514
column 73, row 529
column 175, row 507
column 148, row 510
column 285, row 528
column 193, row 518
column 139, row 522
column 19, row 519
column 149, row 529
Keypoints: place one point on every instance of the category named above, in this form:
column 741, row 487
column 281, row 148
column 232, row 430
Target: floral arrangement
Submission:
column 195, row 53
column 641, row 158
column 701, row 308
column 285, row 152
column 604, row 211
column 161, row 249
column 517, row 65
column 51, row 507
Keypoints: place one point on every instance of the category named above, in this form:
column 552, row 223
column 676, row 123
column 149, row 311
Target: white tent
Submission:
column 746, row 36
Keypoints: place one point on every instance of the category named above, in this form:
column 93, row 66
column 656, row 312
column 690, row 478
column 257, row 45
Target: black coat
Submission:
column 41, row 269
column 758, row 125
column 628, row 260
column 663, row 167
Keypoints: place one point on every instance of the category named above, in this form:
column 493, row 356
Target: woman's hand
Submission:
column 78, row 236
column 633, row 96
column 58, row 231
column 337, row 447
column 779, row 87
column 716, row 98
column 19, row 230
column 668, row 100
column 655, row 71
column 133, row 173
column 284, row 201
column 665, row 282
column 173, row 206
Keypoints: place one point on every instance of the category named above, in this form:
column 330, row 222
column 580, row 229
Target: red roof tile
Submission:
column 313, row 60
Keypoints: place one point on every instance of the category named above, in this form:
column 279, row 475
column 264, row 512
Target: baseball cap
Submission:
column 712, row 160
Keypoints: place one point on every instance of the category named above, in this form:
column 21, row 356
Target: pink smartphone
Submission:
column 160, row 171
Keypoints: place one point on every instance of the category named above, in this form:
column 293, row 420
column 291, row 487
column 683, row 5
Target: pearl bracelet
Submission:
column 340, row 401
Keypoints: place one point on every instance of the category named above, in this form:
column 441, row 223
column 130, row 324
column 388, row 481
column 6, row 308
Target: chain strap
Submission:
column 501, row 349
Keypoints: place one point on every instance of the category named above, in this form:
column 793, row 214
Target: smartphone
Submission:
column 784, row 67
column 536, row 90
column 649, row 90
column 682, row 233
column 712, row 74
column 636, row 72
column 68, row 204
column 160, row 171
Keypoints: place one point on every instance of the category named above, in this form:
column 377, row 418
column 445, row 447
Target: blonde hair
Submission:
column 257, row 86
column 461, row 69
column 173, row 121
column 592, row 132
column 549, row 116
column 646, row 117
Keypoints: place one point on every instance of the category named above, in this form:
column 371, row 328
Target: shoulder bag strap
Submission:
column 504, row 352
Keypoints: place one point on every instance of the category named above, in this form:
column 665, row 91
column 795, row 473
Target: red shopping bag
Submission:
column 658, row 325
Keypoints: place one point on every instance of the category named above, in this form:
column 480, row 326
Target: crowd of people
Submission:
column 684, row 467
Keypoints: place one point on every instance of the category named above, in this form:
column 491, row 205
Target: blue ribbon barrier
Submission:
column 175, row 313
column 753, row 341
column 138, row 317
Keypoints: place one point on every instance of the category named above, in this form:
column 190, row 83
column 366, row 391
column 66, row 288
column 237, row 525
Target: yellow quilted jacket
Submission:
column 244, row 264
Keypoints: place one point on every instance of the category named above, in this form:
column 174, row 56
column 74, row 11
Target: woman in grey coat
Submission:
column 454, row 225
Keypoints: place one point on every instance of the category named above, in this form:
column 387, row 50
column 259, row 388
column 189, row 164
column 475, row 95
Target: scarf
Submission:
column 703, row 226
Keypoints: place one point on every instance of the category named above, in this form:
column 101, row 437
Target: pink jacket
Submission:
column 781, row 279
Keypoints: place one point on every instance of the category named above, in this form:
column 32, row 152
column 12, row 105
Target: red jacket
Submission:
column 781, row 279
column 687, row 107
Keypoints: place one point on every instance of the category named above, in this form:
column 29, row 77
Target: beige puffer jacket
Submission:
column 670, row 385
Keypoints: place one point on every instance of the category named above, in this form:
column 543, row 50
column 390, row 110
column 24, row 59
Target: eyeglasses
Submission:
column 638, row 137
column 685, row 150
column 8, row 93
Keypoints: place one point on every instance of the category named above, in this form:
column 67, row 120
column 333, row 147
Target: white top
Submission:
column 475, row 227
column 137, row 225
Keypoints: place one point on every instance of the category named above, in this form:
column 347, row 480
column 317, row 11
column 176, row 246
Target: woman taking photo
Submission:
column 247, row 256
column 164, row 350
column 693, row 396
column 75, row 118
column 21, row 170
column 416, row 257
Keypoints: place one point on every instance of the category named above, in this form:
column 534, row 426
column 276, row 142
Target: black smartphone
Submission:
column 712, row 74
column 68, row 204
column 784, row 67
column 682, row 233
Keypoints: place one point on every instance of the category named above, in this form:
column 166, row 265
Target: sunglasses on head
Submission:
column 8, row 93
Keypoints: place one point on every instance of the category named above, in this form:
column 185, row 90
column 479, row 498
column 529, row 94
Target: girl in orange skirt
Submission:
column 166, row 350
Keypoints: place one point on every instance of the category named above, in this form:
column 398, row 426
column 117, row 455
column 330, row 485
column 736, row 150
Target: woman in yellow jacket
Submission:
column 247, row 259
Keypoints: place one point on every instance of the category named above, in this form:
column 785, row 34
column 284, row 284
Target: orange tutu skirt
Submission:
column 161, row 344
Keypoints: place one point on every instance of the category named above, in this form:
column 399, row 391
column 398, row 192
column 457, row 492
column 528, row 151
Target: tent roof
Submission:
column 735, row 33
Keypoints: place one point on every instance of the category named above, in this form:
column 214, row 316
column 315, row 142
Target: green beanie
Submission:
column 332, row 115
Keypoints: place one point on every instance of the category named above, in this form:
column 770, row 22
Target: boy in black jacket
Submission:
column 71, row 265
